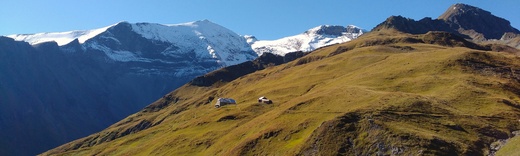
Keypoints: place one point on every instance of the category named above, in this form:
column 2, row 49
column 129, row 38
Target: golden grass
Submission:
column 420, row 92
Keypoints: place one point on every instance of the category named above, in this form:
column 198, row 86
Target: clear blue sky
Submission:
column 266, row 19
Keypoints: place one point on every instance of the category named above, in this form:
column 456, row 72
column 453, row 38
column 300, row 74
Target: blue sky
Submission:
column 265, row 19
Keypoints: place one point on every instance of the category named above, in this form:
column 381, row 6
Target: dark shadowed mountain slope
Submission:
column 47, row 98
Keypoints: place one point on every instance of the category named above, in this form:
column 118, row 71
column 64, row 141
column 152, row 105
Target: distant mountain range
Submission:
column 56, row 87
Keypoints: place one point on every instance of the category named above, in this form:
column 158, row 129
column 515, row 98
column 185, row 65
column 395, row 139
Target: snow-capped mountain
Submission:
column 202, row 39
column 309, row 40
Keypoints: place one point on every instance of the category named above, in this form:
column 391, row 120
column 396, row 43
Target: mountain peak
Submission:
column 465, row 7
column 461, row 9
column 473, row 20
column 395, row 21
column 204, row 21
column 250, row 39
column 402, row 24
column 198, row 23
column 354, row 29
column 335, row 30
column 122, row 22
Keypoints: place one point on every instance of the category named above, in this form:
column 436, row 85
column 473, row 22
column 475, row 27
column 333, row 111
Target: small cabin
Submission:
column 265, row 100
column 224, row 101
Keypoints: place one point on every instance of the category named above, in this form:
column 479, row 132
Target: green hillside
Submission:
column 383, row 93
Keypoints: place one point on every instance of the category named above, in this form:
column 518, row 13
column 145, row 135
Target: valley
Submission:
column 444, row 86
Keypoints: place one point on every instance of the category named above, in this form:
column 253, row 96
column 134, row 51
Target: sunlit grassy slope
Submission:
column 386, row 93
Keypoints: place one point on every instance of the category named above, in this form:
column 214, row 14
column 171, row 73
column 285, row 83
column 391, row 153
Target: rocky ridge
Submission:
column 464, row 20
